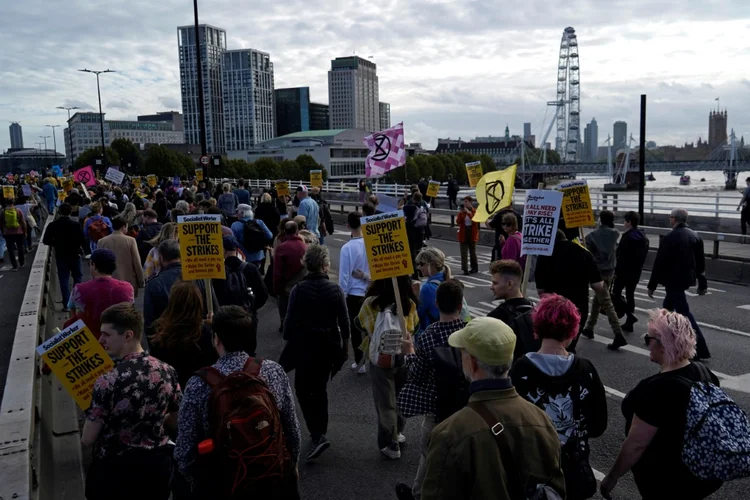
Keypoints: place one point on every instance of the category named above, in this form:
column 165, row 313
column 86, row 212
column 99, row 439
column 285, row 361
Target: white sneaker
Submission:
column 354, row 366
column 362, row 370
column 393, row 452
column 400, row 439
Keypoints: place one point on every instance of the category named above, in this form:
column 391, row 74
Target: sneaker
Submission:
column 318, row 447
column 403, row 492
column 474, row 271
column 392, row 452
column 354, row 366
column 400, row 439
column 588, row 333
column 362, row 370
column 618, row 342
column 15, row 269
column 627, row 327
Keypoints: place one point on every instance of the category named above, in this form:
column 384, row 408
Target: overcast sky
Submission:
column 449, row 68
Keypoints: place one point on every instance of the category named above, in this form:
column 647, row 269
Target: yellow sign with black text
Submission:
column 387, row 245
column 201, row 246
column 77, row 359
column 61, row 195
column 316, row 178
column 282, row 188
column 199, row 174
column 433, row 188
column 474, row 172
column 9, row 192
column 576, row 204
column 152, row 180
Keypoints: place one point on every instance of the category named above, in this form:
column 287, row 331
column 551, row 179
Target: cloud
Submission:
column 84, row 106
column 170, row 102
column 119, row 104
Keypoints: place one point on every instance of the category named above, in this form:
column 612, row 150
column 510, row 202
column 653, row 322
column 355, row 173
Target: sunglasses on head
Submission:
column 648, row 338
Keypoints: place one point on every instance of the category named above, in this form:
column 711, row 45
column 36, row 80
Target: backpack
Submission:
column 716, row 443
column 236, row 290
column 522, row 325
column 451, row 386
column 420, row 217
column 98, row 230
column 327, row 218
column 253, row 236
column 385, row 343
column 250, row 458
column 11, row 219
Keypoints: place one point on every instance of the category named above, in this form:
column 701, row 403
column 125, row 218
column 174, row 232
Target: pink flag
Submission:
column 387, row 151
column 85, row 176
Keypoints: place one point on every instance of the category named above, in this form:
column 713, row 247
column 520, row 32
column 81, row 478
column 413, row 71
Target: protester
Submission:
column 152, row 265
column 375, row 202
column 252, row 234
column 129, row 213
column 656, row 413
column 744, row 207
column 126, row 252
column 26, row 204
column 452, row 191
column 288, row 269
column 416, row 222
column 464, row 455
column 515, row 310
column 496, row 224
column 431, row 264
column 363, row 190
column 680, row 261
column 243, row 285
column 182, row 338
column 387, row 382
column 419, row 394
column 310, row 209
column 161, row 206
column 49, row 192
column 602, row 243
column 317, row 344
column 631, row 255
column 133, row 408
column 66, row 237
column 468, row 236
column 354, row 278
column 13, row 227
column 512, row 248
column 89, row 299
column 268, row 213
column 228, row 201
column 96, row 225
column 567, row 387
column 243, row 195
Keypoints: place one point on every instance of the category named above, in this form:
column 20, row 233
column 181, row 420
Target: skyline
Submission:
column 467, row 72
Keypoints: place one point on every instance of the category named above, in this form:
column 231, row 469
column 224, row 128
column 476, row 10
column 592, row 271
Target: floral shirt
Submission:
column 193, row 420
column 132, row 401
column 152, row 267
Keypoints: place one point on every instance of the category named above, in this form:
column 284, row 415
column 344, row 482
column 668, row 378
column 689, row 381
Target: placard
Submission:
column 433, row 188
column 26, row 190
column 199, row 174
column 576, row 204
column 316, row 178
column 474, row 172
column 77, row 359
column 85, row 176
column 114, row 175
column 541, row 213
column 136, row 181
column 151, row 180
column 282, row 188
column 9, row 192
column 61, row 195
column 201, row 247
column 387, row 245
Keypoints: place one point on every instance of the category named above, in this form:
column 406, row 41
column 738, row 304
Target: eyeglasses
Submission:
column 648, row 338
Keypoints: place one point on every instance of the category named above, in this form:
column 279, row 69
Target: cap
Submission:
column 302, row 188
column 230, row 243
column 103, row 256
column 487, row 339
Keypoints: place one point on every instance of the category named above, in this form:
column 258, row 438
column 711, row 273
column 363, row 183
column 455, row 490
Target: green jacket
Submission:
column 463, row 459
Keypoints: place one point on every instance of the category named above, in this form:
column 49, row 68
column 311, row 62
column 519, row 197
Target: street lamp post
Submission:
column 101, row 115
column 46, row 153
column 70, row 132
column 199, row 72
column 54, row 138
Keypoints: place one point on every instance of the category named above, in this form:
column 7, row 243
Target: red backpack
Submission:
column 250, row 458
column 98, row 230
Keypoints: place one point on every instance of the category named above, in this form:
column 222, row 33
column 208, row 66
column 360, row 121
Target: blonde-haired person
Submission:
column 309, row 237
column 431, row 264
column 228, row 202
column 655, row 416
column 152, row 266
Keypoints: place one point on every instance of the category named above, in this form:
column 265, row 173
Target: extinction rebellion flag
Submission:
column 387, row 151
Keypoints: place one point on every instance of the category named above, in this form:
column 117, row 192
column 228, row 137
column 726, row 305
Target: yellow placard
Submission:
column 282, row 188
column 136, row 182
column 151, row 180
column 576, row 204
column 199, row 174
column 387, row 245
column 494, row 192
column 433, row 188
column 67, row 184
column 316, row 178
column 61, row 194
column 474, row 172
column 201, row 247
column 9, row 192
column 77, row 359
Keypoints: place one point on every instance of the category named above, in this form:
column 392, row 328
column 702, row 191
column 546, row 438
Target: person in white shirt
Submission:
column 354, row 278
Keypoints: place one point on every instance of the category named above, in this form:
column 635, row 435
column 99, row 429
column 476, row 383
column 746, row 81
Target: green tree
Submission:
column 423, row 166
column 266, row 168
column 460, row 167
column 130, row 155
column 291, row 170
column 448, row 164
column 164, row 162
column 488, row 164
column 411, row 171
column 438, row 169
column 90, row 156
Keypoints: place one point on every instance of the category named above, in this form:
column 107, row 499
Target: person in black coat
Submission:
column 631, row 255
column 452, row 192
column 316, row 329
column 65, row 235
column 268, row 212
column 680, row 261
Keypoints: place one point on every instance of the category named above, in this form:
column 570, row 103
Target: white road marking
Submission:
column 746, row 307
column 614, row 392
column 708, row 325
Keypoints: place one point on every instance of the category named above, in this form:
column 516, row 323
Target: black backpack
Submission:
column 236, row 290
column 522, row 325
column 451, row 386
column 254, row 237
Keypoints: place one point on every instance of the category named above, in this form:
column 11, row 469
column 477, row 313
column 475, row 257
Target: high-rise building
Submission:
column 319, row 116
column 619, row 136
column 353, row 94
column 84, row 132
column 526, row 131
column 717, row 128
column 292, row 110
column 385, row 115
column 213, row 43
column 247, row 79
column 16, row 136
column 173, row 117
column 590, row 140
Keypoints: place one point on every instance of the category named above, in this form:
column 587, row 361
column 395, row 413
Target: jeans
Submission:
column 469, row 247
column 603, row 301
column 322, row 240
column 386, row 384
column 677, row 301
column 15, row 243
column 428, row 423
column 353, row 305
column 3, row 247
column 311, row 386
column 629, row 287
column 65, row 267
